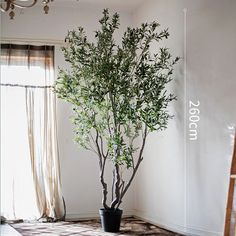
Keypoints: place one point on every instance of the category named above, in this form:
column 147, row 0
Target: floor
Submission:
column 129, row 226
column 7, row 230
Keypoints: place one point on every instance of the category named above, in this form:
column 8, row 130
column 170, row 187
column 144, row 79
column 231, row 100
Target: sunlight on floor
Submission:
column 7, row 230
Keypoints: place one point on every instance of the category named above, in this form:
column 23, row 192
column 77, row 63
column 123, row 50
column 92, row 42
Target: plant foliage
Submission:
column 118, row 93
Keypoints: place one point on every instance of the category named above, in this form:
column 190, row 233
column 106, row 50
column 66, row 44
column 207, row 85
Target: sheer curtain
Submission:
column 30, row 171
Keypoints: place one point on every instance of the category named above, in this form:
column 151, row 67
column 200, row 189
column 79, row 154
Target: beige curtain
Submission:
column 44, row 151
column 35, row 77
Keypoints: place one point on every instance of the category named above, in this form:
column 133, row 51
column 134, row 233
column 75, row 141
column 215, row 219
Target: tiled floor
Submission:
column 7, row 230
column 129, row 226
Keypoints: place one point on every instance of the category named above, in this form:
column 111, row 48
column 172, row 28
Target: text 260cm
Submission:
column 194, row 118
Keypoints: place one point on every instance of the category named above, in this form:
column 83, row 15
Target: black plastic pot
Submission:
column 110, row 220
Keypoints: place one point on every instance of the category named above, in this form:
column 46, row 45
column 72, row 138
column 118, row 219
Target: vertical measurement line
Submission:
column 185, row 119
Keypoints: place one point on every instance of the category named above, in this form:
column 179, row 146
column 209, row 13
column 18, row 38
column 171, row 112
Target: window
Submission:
column 30, row 178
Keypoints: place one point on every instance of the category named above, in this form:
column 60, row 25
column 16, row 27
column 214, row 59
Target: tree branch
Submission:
column 140, row 158
column 102, row 162
column 98, row 149
column 102, row 150
column 122, row 189
column 117, row 186
column 113, row 183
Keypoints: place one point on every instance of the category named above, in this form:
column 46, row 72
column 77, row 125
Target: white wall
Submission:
column 79, row 168
column 188, row 193
column 159, row 185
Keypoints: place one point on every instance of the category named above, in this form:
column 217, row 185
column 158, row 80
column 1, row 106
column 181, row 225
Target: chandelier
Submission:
column 10, row 5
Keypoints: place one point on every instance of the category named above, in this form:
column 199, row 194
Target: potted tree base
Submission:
column 110, row 220
column 119, row 96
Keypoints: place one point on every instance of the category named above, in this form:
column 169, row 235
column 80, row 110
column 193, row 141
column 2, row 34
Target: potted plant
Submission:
column 119, row 96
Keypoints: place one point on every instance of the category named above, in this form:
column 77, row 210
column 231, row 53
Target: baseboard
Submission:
column 92, row 215
column 158, row 222
column 190, row 231
column 202, row 232
column 82, row 216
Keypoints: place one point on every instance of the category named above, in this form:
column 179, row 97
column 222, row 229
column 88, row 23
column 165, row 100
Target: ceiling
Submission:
column 120, row 4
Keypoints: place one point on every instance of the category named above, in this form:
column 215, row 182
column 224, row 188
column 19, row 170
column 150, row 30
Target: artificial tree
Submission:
column 118, row 93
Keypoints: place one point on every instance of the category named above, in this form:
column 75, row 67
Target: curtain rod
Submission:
column 27, row 86
column 37, row 41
